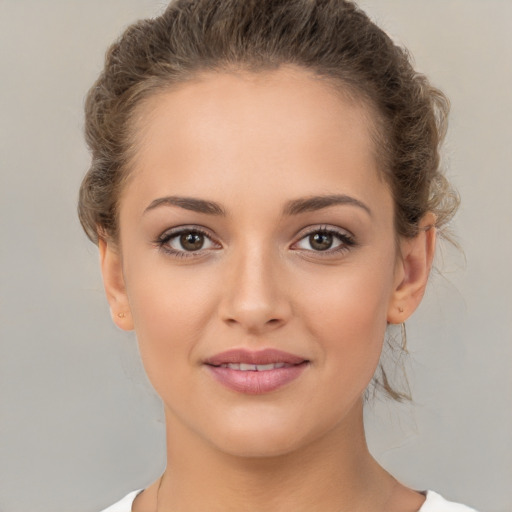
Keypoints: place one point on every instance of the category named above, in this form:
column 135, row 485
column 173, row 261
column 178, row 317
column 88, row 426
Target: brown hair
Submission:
column 333, row 39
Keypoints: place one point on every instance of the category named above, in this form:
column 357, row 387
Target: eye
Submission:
column 321, row 241
column 326, row 240
column 186, row 240
column 191, row 241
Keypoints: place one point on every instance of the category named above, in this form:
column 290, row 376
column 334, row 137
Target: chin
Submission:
column 249, row 443
column 273, row 433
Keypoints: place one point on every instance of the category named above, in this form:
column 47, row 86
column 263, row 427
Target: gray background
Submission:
column 79, row 423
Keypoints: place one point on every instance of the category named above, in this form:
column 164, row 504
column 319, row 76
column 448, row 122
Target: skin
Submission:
column 252, row 143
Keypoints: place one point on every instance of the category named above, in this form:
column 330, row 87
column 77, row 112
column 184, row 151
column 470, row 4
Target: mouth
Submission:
column 245, row 367
column 255, row 360
column 255, row 372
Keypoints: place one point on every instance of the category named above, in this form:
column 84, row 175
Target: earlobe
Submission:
column 412, row 271
column 113, row 281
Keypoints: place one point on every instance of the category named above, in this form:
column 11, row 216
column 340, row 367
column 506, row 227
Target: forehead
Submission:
column 281, row 129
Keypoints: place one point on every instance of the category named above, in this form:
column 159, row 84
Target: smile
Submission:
column 244, row 367
column 255, row 372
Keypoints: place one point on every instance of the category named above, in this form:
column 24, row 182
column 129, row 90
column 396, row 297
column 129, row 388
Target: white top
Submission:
column 433, row 503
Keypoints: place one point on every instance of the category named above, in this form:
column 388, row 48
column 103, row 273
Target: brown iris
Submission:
column 321, row 241
column 192, row 241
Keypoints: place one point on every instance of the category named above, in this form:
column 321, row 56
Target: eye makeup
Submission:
column 192, row 241
column 324, row 241
column 186, row 242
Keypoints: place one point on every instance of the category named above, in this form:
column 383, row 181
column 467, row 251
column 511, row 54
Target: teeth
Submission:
column 244, row 367
column 264, row 367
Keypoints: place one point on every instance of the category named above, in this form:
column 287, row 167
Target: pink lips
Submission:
column 255, row 372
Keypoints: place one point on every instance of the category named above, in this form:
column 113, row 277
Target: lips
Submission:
column 260, row 357
column 255, row 372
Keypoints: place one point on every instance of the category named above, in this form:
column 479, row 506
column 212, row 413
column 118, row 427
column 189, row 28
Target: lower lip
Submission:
column 254, row 382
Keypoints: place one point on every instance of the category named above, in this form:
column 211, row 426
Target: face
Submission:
column 257, row 259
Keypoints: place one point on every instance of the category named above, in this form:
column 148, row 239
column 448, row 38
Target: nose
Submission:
column 255, row 297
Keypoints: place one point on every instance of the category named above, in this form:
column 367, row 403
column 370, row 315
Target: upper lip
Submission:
column 266, row 356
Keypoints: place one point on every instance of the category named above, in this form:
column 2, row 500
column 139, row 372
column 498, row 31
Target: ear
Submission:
column 113, row 281
column 412, row 271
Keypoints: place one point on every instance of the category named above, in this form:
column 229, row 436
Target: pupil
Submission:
column 192, row 241
column 320, row 241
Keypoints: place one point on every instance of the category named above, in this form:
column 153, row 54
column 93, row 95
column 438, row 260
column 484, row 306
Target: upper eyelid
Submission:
column 171, row 232
column 325, row 228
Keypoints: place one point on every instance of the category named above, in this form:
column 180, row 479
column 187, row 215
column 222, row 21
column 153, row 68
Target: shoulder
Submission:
column 436, row 503
column 124, row 505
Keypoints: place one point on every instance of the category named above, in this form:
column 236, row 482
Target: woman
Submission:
column 265, row 193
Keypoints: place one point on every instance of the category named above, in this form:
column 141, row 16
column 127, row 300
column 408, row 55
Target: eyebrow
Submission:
column 188, row 203
column 294, row 207
column 313, row 203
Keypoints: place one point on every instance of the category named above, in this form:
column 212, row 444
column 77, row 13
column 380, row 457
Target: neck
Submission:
column 334, row 473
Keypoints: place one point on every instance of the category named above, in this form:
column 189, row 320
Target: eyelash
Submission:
column 163, row 240
column 346, row 240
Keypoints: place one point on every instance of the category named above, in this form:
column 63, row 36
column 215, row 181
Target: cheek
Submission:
column 349, row 318
column 170, row 308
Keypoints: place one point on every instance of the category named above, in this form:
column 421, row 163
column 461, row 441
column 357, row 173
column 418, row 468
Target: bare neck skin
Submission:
column 335, row 473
